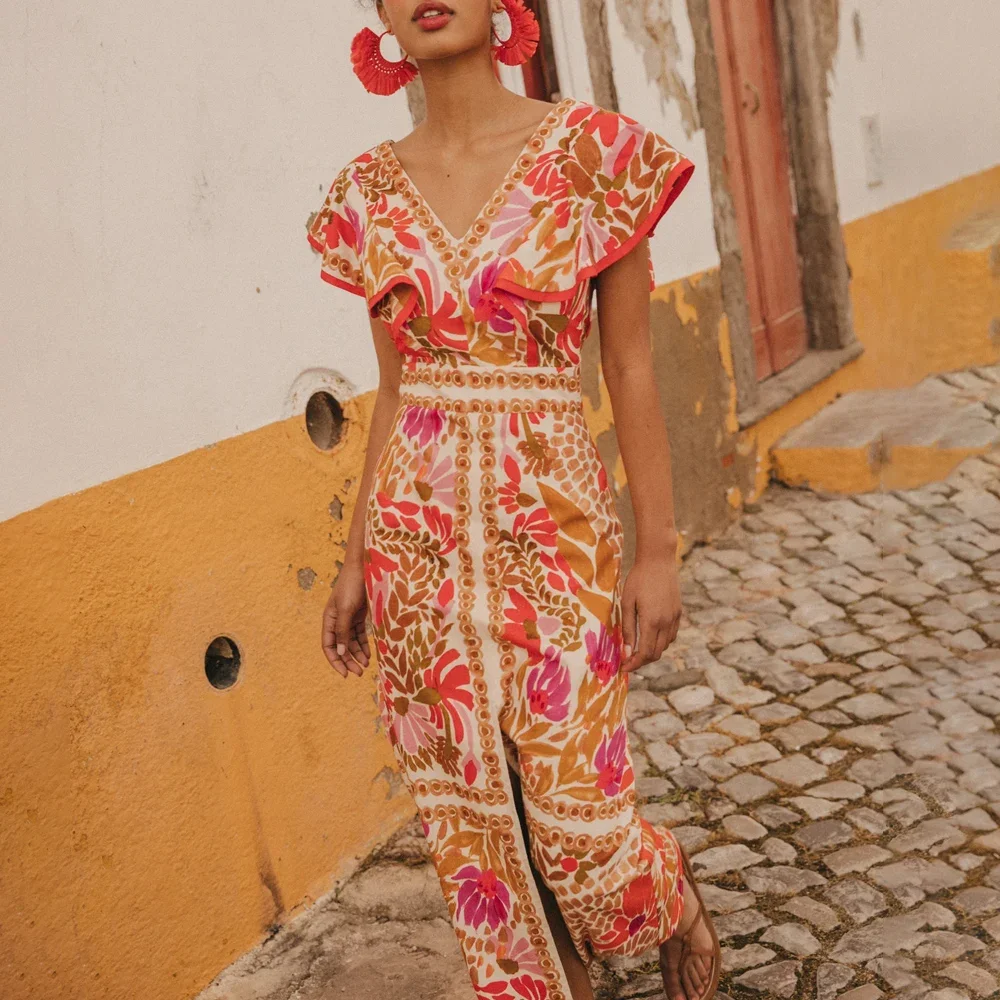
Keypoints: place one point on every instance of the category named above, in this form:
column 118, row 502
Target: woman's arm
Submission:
column 651, row 602
column 344, row 617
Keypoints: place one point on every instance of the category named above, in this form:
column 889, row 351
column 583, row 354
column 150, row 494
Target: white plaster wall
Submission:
column 931, row 74
column 162, row 161
column 685, row 239
column 570, row 46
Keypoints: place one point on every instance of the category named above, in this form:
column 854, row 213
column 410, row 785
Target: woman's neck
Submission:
column 463, row 97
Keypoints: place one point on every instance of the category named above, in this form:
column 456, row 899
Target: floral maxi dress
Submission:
column 493, row 547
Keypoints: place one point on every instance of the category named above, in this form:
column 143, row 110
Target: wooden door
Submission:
column 759, row 176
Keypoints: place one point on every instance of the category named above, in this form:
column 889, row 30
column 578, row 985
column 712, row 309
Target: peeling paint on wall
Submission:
column 827, row 21
column 594, row 18
column 649, row 24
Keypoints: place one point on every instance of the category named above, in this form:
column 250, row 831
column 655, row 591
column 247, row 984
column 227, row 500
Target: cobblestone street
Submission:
column 822, row 738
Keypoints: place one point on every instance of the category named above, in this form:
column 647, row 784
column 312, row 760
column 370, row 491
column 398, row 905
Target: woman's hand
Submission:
column 345, row 641
column 651, row 603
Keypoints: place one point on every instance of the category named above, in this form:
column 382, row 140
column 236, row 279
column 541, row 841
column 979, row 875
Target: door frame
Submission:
column 822, row 254
column 758, row 167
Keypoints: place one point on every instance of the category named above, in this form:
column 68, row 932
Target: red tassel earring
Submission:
column 524, row 36
column 378, row 74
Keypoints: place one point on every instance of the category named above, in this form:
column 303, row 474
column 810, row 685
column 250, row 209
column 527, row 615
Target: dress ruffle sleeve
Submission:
column 607, row 185
column 337, row 233
column 354, row 252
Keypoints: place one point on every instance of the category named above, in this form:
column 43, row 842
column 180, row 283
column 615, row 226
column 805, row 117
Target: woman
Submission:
column 485, row 547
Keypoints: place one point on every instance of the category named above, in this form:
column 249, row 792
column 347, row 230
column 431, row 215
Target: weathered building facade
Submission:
column 181, row 768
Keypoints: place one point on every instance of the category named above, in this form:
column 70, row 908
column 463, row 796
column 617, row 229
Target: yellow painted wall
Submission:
column 920, row 306
column 151, row 826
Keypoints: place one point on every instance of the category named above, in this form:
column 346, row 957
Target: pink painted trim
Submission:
column 676, row 181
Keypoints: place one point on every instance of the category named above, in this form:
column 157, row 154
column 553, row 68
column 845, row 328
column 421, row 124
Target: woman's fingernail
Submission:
column 341, row 649
column 628, row 651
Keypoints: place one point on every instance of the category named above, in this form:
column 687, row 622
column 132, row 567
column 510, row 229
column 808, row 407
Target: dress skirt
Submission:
column 493, row 555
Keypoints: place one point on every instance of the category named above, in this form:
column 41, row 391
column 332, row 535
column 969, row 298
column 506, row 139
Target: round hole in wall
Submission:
column 222, row 662
column 324, row 420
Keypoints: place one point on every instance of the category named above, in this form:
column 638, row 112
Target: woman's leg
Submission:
column 576, row 971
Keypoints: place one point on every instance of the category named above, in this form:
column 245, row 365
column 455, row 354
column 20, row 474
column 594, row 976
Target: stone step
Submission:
column 894, row 438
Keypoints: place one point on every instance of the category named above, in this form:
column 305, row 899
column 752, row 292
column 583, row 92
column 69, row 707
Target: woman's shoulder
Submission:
column 352, row 170
column 590, row 125
column 356, row 182
column 608, row 179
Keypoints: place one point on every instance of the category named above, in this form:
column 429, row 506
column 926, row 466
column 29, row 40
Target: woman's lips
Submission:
column 432, row 16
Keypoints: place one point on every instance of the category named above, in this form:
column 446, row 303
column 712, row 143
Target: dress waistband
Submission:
column 490, row 387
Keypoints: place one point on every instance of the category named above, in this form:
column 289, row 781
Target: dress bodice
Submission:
column 515, row 290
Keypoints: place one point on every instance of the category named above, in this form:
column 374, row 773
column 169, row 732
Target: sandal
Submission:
column 681, row 967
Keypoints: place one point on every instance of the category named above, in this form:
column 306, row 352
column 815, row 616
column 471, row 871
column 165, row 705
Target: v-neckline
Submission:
column 432, row 220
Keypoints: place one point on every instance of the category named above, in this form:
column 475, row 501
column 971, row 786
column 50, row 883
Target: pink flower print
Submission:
column 560, row 576
column 595, row 242
column 401, row 222
column 516, row 422
column 482, row 897
column 530, row 989
column 538, row 525
column 345, row 227
column 512, row 497
column 517, row 958
column 548, row 687
column 445, row 595
column 604, row 653
column 546, row 180
column 378, row 568
column 516, row 218
column 492, row 305
column 606, row 123
column 447, row 689
column 440, row 325
column 436, row 478
column 521, row 627
column 620, row 155
column 440, row 525
column 548, row 624
column 611, row 763
column 397, row 512
column 423, row 423
column 412, row 725
column 470, row 769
